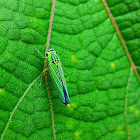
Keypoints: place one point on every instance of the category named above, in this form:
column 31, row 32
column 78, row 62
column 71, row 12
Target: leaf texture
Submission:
column 103, row 88
column 126, row 14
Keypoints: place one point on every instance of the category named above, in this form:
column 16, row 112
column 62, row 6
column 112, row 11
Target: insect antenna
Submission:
column 40, row 53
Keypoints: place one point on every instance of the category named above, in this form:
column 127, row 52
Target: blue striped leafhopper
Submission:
column 57, row 75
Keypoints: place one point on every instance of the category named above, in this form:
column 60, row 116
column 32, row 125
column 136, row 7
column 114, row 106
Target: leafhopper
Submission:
column 54, row 66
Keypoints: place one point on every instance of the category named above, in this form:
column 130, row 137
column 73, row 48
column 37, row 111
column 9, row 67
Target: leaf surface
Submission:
column 126, row 14
column 103, row 88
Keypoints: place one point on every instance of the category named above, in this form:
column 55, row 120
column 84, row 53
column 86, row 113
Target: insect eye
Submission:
column 47, row 54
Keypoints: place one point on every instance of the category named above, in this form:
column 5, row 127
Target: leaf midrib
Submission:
column 45, row 65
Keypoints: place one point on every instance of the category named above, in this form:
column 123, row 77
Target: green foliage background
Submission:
column 103, row 89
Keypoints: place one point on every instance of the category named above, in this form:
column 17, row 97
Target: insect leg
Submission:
column 45, row 70
column 42, row 76
column 40, row 80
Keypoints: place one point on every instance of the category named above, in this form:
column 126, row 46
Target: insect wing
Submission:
column 58, row 79
column 65, row 91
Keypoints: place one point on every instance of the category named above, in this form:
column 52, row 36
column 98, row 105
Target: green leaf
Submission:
column 104, row 89
column 126, row 15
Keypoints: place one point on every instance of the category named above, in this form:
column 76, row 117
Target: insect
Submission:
column 57, row 75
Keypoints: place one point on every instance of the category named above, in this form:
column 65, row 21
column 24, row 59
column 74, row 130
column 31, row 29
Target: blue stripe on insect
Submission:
column 67, row 101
